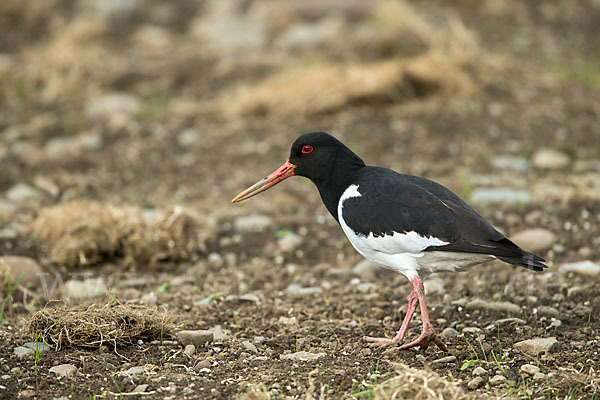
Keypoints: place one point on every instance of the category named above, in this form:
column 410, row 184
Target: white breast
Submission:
column 403, row 252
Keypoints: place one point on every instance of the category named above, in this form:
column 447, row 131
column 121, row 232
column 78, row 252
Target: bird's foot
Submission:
column 425, row 338
column 381, row 341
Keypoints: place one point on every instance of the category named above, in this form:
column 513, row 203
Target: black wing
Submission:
column 391, row 202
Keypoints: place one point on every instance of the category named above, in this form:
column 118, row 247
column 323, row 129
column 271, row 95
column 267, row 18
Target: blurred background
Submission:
column 126, row 127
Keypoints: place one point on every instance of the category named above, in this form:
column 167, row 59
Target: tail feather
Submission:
column 527, row 260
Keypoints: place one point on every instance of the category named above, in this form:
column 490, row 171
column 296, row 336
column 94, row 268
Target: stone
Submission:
column 548, row 311
column 494, row 306
column 550, row 159
column 110, row 104
column 537, row 345
column 189, row 350
column 529, row 369
column 8, row 234
column 88, row 288
column 219, row 333
column 23, row 352
column 197, row 338
column 475, row 383
column 297, row 290
column 302, row 356
column 73, row 145
column 491, row 196
column 585, row 268
column 514, row 163
column 449, row 333
column 249, row 297
column 444, row 360
column 22, row 192
column 40, row 346
column 64, row 370
column 497, row 380
column 140, row 388
column 203, row 364
column 260, row 339
column 189, row 137
column 250, row 347
column 539, row 376
column 471, row 329
column 534, row 240
column 366, row 287
column 252, row 223
column 20, row 266
column 365, row 268
column 133, row 371
column 479, row 371
column 505, row 321
column 290, row 241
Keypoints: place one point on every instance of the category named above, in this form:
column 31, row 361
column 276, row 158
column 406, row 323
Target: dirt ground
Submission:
column 169, row 109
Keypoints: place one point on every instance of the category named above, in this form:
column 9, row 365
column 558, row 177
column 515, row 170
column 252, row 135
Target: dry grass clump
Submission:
column 84, row 232
column 413, row 383
column 111, row 324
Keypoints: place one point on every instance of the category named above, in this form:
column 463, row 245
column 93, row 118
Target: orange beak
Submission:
column 282, row 173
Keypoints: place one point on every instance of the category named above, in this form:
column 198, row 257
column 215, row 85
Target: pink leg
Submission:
column 427, row 334
column 410, row 311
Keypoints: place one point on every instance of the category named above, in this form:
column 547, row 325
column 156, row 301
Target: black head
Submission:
column 316, row 154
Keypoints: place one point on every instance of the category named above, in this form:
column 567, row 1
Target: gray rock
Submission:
column 548, row 311
column 550, row 159
column 514, row 163
column 479, row 371
column 535, row 346
column 8, row 234
column 444, row 360
column 471, row 329
column 497, row 380
column 197, row 338
column 310, row 34
column 219, row 333
column 290, row 241
column 203, row 364
column 133, row 371
column 40, row 346
column 109, row 8
column 557, row 323
column 366, row 287
column 297, row 290
column 22, row 267
column 490, row 196
column 64, row 370
column 72, row 145
column 22, row 192
column 189, row 137
column 189, row 350
column 252, row 223
column 140, row 388
column 110, row 104
column 302, row 356
column 250, row 347
column 449, row 333
column 365, row 268
column 88, row 288
column 539, row 376
column 534, row 240
column 259, row 339
column 586, row 268
column 475, row 383
column 504, row 306
column 529, row 369
column 23, row 352
column 249, row 297
column 505, row 321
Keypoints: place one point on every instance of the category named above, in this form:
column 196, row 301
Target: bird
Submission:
column 409, row 224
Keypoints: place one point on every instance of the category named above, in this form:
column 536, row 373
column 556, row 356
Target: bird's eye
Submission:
column 307, row 149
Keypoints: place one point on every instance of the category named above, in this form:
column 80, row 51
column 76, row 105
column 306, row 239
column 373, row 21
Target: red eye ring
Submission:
column 307, row 149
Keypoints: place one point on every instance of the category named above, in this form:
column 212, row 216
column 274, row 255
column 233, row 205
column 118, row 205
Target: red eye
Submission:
column 307, row 149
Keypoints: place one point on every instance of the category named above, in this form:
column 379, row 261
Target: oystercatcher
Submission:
column 402, row 222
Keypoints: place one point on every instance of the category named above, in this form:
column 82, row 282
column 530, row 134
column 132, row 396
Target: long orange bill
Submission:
column 282, row 173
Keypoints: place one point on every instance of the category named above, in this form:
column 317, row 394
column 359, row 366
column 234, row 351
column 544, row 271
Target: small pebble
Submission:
column 250, row 347
column 479, row 371
column 190, row 349
column 529, row 369
column 497, row 380
column 444, row 360
column 449, row 333
column 471, row 329
column 475, row 383
column 539, row 377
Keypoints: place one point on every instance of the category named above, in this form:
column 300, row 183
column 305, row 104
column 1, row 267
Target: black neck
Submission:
column 344, row 171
